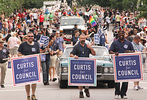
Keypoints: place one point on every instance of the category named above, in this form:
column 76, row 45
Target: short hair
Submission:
column 136, row 37
column 82, row 35
column 30, row 33
column 76, row 31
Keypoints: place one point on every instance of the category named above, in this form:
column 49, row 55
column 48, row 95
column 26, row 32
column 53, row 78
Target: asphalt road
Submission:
column 53, row 92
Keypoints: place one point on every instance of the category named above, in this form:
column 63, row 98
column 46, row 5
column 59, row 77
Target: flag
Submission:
column 78, row 14
column 92, row 21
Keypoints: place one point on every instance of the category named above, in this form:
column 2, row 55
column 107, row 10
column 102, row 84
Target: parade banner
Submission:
column 44, row 40
column 82, row 72
column 128, row 67
column 26, row 69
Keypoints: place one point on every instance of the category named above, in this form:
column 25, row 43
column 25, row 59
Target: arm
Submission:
column 92, row 50
column 112, row 49
column 73, row 53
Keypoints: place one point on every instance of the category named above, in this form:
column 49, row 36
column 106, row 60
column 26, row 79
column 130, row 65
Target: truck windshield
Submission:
column 100, row 51
column 72, row 21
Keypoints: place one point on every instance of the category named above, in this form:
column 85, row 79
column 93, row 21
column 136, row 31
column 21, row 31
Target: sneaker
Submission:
column 140, row 87
column 116, row 97
column 46, row 83
column 81, row 95
column 33, row 97
column 124, row 96
column 2, row 86
column 54, row 79
column 136, row 88
column 87, row 92
column 28, row 98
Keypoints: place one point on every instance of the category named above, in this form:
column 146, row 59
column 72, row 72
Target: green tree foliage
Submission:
column 9, row 6
column 143, row 9
column 33, row 3
column 87, row 3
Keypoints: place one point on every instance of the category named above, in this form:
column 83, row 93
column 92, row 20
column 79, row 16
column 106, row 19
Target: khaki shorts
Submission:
column 14, row 51
column 53, row 60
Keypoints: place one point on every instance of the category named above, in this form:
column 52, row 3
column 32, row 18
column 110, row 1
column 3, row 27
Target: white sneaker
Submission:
column 116, row 97
column 125, row 97
column 136, row 88
column 140, row 87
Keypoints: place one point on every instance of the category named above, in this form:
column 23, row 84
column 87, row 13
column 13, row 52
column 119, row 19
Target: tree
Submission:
column 143, row 8
column 87, row 3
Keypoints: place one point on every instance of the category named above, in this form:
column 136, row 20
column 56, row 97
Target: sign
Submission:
column 26, row 69
column 128, row 67
column 96, row 39
column 44, row 40
column 82, row 72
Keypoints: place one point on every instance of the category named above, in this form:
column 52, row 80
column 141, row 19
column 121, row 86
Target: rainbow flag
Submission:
column 92, row 21
column 78, row 14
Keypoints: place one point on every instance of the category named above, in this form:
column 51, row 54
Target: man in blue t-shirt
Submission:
column 28, row 48
column 82, row 50
column 121, row 46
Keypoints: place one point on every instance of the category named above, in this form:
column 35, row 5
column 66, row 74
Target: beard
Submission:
column 82, row 42
column 121, row 37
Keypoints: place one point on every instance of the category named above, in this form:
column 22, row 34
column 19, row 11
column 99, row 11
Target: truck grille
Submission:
column 99, row 69
column 67, row 31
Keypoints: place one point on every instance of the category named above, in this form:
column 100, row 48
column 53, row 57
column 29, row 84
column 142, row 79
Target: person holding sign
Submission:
column 28, row 48
column 121, row 46
column 82, row 50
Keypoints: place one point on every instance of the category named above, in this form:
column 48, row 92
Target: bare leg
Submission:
column 34, row 88
column 53, row 72
column 27, row 87
column 80, row 88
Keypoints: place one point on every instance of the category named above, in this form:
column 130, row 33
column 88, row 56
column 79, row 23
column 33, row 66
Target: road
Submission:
column 53, row 92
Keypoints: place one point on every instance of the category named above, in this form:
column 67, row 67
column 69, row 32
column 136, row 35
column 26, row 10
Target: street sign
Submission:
column 26, row 69
column 82, row 72
column 128, row 67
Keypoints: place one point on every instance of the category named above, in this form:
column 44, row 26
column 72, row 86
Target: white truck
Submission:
column 67, row 24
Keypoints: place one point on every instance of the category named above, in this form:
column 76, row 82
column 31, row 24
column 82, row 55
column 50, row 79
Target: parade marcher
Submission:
column 138, row 47
column 75, row 37
column 28, row 48
column 82, row 50
column 53, row 57
column 4, row 53
column 45, row 69
column 118, row 18
column 121, row 46
column 41, row 20
column 13, row 44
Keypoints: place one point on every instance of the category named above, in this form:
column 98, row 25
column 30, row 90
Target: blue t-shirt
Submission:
column 81, row 51
column 121, row 47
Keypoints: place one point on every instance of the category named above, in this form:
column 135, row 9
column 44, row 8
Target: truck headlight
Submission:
column 106, row 70
column 111, row 70
column 64, row 69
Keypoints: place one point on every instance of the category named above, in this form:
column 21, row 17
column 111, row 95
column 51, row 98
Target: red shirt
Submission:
column 41, row 18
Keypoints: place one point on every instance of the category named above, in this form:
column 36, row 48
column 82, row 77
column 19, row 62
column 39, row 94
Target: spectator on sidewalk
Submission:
column 4, row 53
column 138, row 47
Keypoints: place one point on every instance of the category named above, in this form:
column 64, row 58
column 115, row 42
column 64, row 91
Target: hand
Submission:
column 76, row 57
column 128, row 51
column 116, row 53
column 88, row 46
